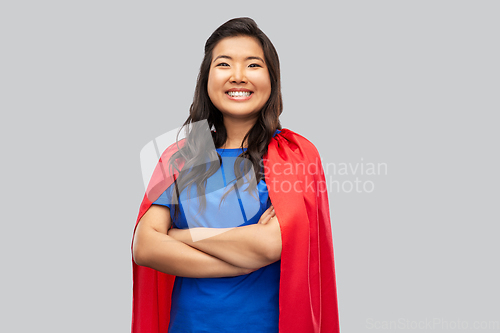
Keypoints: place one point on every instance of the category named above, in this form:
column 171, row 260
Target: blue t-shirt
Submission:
column 245, row 303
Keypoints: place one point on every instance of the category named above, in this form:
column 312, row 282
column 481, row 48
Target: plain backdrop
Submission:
column 412, row 85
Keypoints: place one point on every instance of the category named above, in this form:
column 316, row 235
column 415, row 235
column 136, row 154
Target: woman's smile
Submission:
column 239, row 94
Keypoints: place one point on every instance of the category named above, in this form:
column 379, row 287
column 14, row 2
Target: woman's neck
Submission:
column 236, row 130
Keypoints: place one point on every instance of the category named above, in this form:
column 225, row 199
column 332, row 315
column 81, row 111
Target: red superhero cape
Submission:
column 297, row 188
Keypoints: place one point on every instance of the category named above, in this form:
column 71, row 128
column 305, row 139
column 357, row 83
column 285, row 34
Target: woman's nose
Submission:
column 238, row 74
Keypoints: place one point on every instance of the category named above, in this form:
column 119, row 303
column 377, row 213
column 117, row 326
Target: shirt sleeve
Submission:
column 165, row 198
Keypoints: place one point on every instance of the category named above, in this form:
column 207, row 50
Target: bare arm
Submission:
column 153, row 248
column 252, row 246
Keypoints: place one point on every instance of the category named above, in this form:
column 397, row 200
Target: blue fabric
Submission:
column 246, row 303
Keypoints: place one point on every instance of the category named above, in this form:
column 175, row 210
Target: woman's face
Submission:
column 238, row 81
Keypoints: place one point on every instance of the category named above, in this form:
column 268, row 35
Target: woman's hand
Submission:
column 267, row 216
column 272, row 231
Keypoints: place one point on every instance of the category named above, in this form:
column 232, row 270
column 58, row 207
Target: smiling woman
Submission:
column 216, row 249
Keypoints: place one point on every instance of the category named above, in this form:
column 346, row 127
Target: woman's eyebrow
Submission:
column 247, row 58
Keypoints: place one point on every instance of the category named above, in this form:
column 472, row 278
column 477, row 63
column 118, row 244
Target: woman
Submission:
column 210, row 252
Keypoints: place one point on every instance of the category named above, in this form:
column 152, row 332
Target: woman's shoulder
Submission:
column 297, row 139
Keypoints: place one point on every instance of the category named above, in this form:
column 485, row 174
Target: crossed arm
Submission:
column 213, row 253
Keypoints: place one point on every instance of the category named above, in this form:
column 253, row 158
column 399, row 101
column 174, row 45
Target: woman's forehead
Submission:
column 238, row 47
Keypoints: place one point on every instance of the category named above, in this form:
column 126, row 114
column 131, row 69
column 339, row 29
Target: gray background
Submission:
column 413, row 84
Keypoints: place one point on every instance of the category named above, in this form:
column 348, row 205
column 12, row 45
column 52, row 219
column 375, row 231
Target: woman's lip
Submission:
column 239, row 89
column 239, row 98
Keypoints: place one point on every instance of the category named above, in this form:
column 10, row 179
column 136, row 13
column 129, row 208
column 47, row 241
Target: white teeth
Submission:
column 239, row 93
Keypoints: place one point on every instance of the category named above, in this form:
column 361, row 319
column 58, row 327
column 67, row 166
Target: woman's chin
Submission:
column 239, row 114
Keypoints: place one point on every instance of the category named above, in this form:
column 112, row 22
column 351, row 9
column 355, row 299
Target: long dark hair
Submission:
column 194, row 154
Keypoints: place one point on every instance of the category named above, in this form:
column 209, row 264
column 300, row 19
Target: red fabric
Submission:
column 297, row 188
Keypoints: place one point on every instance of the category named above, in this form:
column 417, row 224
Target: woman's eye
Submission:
column 223, row 64
column 254, row 65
